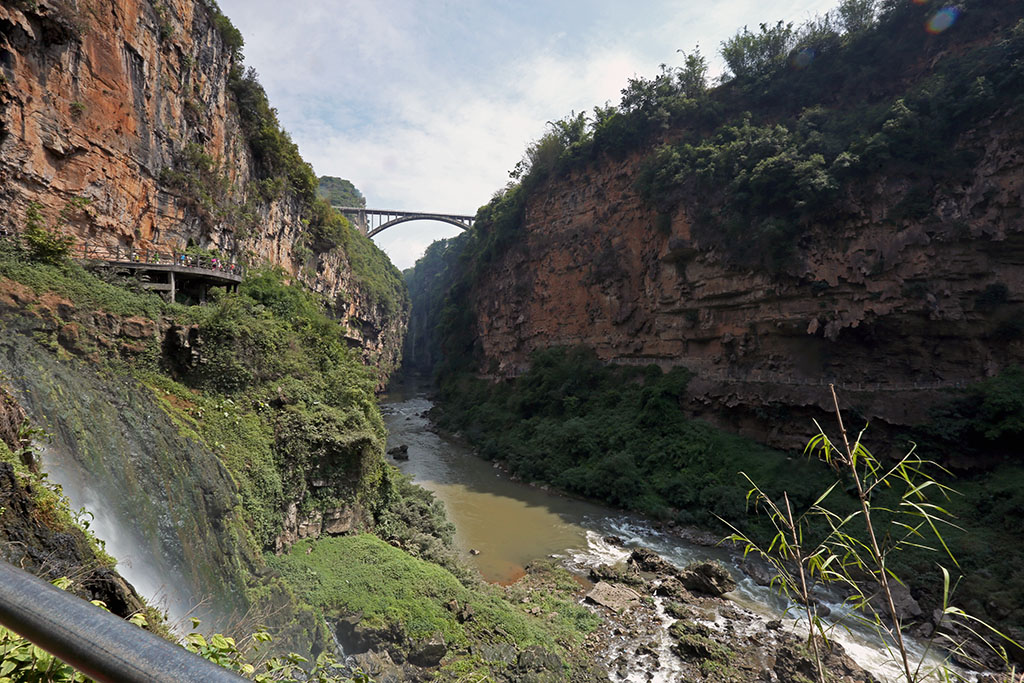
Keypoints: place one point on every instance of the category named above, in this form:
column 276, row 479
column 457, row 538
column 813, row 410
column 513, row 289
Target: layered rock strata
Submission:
column 110, row 111
column 896, row 312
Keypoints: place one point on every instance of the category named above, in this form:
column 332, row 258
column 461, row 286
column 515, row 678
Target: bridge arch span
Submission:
column 461, row 225
column 374, row 221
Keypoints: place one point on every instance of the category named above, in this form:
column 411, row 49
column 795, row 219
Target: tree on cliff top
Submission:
column 339, row 192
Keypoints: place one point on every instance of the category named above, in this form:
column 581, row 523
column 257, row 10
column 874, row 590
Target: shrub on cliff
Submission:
column 42, row 243
column 750, row 55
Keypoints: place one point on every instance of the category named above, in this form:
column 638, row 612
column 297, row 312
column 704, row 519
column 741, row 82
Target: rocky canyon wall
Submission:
column 897, row 312
column 126, row 104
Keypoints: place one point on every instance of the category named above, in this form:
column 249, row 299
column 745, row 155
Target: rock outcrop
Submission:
column 895, row 311
column 124, row 110
column 678, row 633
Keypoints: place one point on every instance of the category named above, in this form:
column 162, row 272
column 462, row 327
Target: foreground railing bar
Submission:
column 94, row 641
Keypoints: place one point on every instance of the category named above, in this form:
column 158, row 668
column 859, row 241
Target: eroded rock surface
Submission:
column 678, row 633
column 898, row 312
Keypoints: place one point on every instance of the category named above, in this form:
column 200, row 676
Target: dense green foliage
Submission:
column 73, row 282
column 616, row 434
column 378, row 278
column 428, row 282
column 988, row 419
column 772, row 176
column 275, row 155
column 44, row 244
column 229, row 34
column 280, row 396
column 339, row 192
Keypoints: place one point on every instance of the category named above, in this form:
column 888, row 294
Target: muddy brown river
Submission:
column 509, row 524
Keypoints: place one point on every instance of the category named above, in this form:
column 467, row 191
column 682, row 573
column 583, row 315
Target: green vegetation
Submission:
column 249, row 661
column 274, row 153
column 70, row 280
column 339, row 192
column 281, row 397
column 987, row 420
column 23, row 662
column 45, row 244
column 428, row 282
column 392, row 590
column 857, row 551
column 377, row 277
column 229, row 34
column 616, row 434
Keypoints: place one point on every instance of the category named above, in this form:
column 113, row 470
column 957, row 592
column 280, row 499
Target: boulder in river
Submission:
column 646, row 560
column 709, row 578
column 615, row 597
column 399, row 452
column 617, row 573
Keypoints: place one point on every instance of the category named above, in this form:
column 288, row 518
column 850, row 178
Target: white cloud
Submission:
column 427, row 106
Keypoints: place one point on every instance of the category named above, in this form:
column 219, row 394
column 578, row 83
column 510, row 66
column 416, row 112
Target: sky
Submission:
column 426, row 105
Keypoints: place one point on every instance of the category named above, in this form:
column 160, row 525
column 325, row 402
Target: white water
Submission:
column 160, row 585
column 528, row 520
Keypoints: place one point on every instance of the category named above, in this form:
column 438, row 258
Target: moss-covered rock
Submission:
column 384, row 600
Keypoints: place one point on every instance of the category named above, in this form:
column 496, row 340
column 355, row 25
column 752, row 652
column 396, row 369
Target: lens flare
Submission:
column 942, row 20
column 803, row 58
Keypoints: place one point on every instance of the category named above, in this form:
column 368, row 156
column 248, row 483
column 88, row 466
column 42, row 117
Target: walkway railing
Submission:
column 94, row 641
column 155, row 256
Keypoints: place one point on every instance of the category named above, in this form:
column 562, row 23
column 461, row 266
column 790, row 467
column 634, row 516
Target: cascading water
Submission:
column 158, row 497
column 161, row 585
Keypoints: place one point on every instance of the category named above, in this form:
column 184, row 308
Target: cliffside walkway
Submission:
column 373, row 221
column 166, row 271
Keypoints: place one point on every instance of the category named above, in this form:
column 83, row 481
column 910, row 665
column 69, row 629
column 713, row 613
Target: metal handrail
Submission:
column 94, row 641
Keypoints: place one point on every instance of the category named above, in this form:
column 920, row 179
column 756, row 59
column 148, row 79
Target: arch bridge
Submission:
column 373, row 221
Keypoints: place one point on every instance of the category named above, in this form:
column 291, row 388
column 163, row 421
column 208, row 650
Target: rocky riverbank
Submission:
column 663, row 623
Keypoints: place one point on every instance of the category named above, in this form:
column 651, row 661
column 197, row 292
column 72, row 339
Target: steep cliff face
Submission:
column 895, row 311
column 126, row 103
